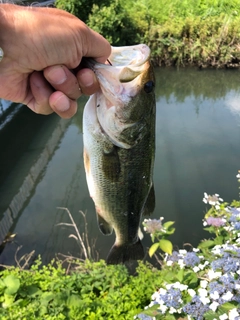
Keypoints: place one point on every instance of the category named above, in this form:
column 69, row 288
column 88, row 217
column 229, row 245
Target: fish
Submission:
column 119, row 147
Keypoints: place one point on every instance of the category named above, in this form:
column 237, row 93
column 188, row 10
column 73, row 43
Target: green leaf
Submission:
column 228, row 306
column 153, row 249
column 8, row 300
column 12, row 283
column 166, row 246
column 210, row 315
column 151, row 311
column 168, row 224
column 46, row 297
column 180, row 275
column 33, row 290
column 206, row 244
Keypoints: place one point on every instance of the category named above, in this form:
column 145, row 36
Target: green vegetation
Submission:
column 93, row 291
column 179, row 32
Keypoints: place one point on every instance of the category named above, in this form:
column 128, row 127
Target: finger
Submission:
column 87, row 81
column 95, row 46
column 62, row 105
column 37, row 99
column 62, row 79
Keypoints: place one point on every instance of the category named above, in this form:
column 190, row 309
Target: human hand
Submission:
column 42, row 47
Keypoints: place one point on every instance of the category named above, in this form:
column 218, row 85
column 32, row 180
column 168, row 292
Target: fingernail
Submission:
column 62, row 104
column 86, row 79
column 56, row 75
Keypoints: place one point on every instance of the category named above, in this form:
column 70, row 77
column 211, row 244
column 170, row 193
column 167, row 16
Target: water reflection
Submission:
column 197, row 150
column 18, row 197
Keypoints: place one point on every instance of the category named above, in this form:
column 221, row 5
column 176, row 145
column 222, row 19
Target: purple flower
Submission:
column 216, row 222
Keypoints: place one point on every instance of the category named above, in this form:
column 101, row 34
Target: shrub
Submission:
column 114, row 23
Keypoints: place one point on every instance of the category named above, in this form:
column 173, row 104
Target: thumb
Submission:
column 96, row 47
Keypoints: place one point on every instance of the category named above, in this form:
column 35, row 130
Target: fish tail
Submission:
column 122, row 253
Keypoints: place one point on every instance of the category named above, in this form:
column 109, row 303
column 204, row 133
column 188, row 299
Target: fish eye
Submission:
column 149, row 86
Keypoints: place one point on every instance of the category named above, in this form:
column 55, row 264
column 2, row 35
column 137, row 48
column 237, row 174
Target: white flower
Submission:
column 196, row 269
column 183, row 287
column 195, row 249
column 153, row 225
column 172, row 310
column 162, row 291
column 223, row 316
column 169, row 263
column 214, row 295
column 216, row 249
column 201, row 266
column 214, row 306
column 202, row 292
column 163, row 308
column 169, row 286
column 182, row 251
column 233, row 314
column 213, row 275
column 155, row 296
column 212, row 200
column 227, row 296
column 192, row 292
column 181, row 263
column 203, row 284
column 205, row 300
column 180, row 286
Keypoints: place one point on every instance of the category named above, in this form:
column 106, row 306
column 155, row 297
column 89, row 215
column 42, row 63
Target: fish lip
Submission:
column 128, row 59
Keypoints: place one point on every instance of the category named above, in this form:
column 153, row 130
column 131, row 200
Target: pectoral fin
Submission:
column 150, row 203
column 104, row 227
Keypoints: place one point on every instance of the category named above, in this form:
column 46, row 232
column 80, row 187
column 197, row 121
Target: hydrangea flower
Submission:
column 213, row 200
column 152, row 225
column 216, row 222
column 217, row 279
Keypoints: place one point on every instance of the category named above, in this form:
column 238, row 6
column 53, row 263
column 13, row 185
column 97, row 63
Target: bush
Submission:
column 93, row 291
column 79, row 8
column 114, row 23
column 179, row 32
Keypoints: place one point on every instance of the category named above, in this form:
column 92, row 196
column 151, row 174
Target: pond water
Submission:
column 41, row 165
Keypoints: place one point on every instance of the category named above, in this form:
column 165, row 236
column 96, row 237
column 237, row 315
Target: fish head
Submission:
column 125, row 102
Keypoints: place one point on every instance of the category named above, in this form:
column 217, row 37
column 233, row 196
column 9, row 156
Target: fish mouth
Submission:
column 125, row 64
column 129, row 61
column 129, row 55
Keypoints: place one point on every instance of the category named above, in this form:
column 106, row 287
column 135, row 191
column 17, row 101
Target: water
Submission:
column 197, row 151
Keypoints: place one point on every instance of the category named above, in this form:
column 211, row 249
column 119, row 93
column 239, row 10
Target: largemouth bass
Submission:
column 119, row 147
